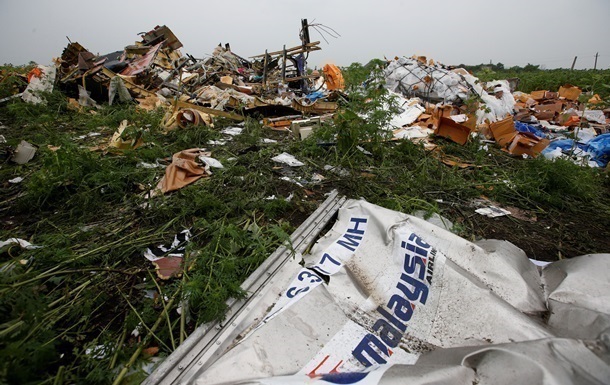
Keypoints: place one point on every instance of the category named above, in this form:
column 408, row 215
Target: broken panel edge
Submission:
column 201, row 341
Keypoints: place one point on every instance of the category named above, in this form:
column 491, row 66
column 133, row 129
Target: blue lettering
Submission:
column 415, row 249
column 419, row 241
column 350, row 242
column 357, row 221
column 420, row 292
column 306, row 274
column 411, row 263
column 331, row 259
column 389, row 335
column 402, row 307
column 365, row 347
column 291, row 293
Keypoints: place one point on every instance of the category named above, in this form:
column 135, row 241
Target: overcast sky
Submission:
column 513, row 32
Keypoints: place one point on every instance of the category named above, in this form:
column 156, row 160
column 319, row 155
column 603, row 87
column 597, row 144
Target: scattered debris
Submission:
column 126, row 139
column 232, row 131
column 492, row 211
column 24, row 153
column 168, row 260
column 214, row 163
column 20, row 242
column 288, row 159
column 41, row 80
column 16, row 180
column 183, row 171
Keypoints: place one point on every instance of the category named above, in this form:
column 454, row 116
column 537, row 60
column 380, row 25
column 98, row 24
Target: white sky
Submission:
column 513, row 32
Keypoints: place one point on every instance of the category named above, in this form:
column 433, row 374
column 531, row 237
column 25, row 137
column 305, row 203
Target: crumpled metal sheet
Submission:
column 385, row 297
column 39, row 85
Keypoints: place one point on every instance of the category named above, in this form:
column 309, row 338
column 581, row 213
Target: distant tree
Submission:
column 531, row 67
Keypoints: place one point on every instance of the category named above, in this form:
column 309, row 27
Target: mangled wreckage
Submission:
column 454, row 104
column 154, row 72
column 389, row 298
column 279, row 87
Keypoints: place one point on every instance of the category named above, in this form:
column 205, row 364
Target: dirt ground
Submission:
column 551, row 237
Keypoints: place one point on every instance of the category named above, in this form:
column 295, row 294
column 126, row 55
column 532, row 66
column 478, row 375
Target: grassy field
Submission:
column 595, row 81
column 68, row 309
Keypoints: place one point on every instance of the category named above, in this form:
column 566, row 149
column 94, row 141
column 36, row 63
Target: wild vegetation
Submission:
column 531, row 78
column 87, row 307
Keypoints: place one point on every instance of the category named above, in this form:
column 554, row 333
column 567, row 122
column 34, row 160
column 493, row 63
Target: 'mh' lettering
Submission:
column 349, row 241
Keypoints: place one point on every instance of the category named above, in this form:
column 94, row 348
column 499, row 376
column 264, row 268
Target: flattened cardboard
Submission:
column 545, row 115
column 555, row 107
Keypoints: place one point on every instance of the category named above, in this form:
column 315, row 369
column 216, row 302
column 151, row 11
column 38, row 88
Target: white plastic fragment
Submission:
column 288, row 159
column 410, row 110
column 287, row 179
column 413, row 132
column 24, row 153
column 585, row 134
column 136, row 331
column 459, row 118
column 21, row 242
column 596, row 116
column 89, row 135
column 233, row 131
column 117, row 88
column 317, row 178
column 16, row 180
column 84, row 98
column 337, row 170
column 98, row 351
column 362, row 150
column 150, row 165
column 215, row 163
column 492, row 211
column 174, row 250
column 552, row 127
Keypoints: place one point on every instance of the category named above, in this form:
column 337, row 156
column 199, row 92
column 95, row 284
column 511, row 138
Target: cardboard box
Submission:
column 538, row 95
column 525, row 143
column 569, row 92
column 551, row 95
column 457, row 132
column 305, row 127
column 503, row 131
column 554, row 107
